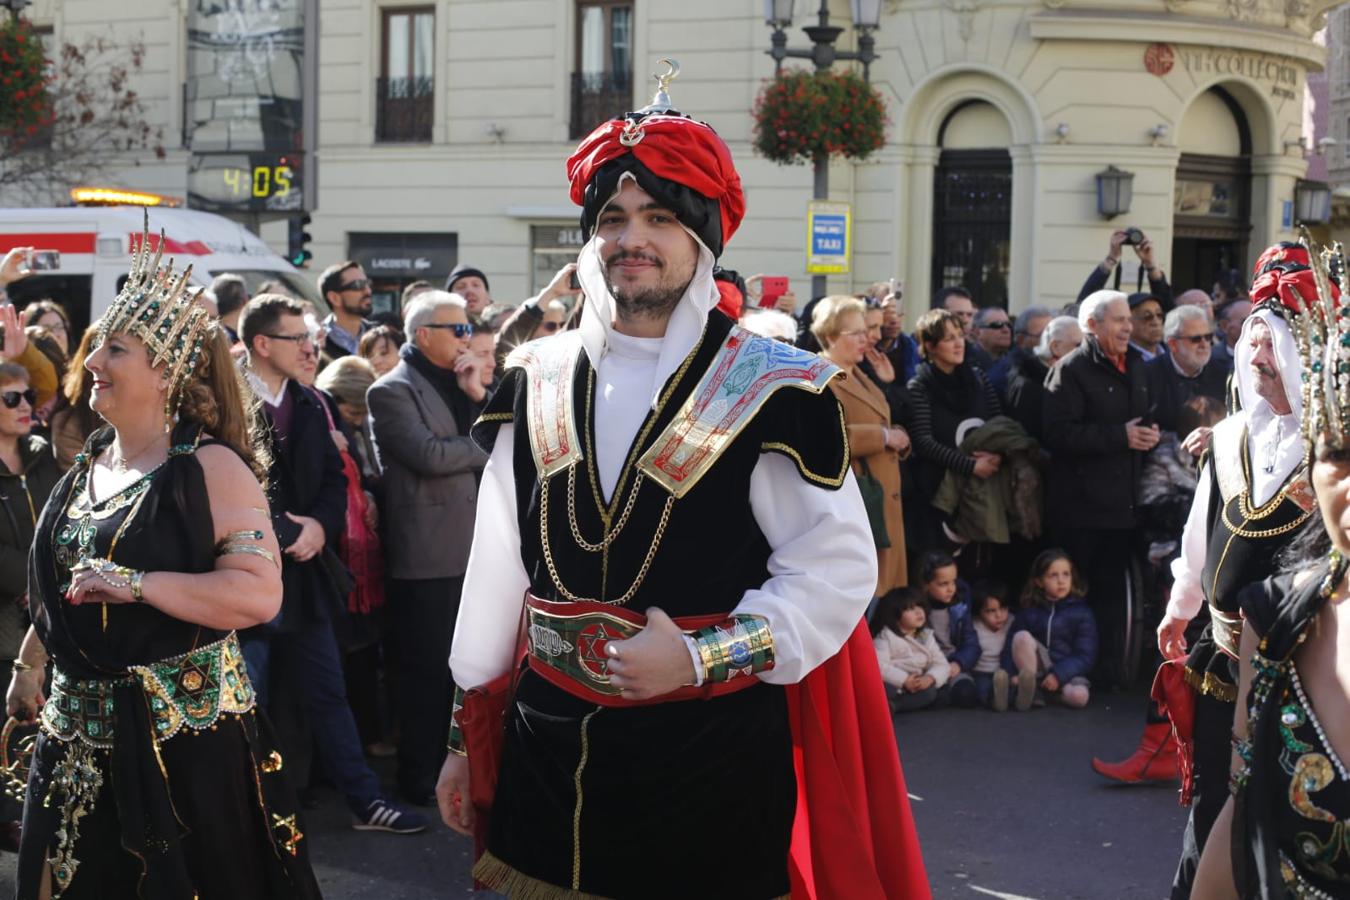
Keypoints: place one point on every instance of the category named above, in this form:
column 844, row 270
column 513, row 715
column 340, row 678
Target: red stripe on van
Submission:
column 188, row 248
column 69, row 242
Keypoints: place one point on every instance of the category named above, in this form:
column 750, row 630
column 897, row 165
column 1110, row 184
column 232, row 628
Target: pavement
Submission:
column 1006, row 806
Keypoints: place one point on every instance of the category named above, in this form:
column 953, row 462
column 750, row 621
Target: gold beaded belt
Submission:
column 567, row 641
column 192, row 691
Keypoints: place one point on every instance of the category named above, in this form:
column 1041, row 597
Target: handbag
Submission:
column 482, row 722
column 874, row 500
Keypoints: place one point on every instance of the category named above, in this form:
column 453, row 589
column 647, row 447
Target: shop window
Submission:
column 551, row 248
column 602, row 84
column 404, row 91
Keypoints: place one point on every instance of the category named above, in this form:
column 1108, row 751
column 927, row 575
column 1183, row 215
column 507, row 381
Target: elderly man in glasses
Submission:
column 1188, row 369
column 347, row 289
column 1147, row 312
column 421, row 412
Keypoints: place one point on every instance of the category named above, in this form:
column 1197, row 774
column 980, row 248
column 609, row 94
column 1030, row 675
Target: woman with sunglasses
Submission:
column 153, row 774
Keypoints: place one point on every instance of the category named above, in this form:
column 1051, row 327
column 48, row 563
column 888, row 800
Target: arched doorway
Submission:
column 1211, row 224
column 972, row 203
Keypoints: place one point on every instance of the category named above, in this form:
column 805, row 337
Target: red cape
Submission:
column 853, row 836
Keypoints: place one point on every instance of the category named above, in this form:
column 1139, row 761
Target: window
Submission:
column 403, row 93
column 602, row 85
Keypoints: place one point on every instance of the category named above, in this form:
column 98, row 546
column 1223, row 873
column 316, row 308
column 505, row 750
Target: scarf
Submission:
column 958, row 390
column 464, row 410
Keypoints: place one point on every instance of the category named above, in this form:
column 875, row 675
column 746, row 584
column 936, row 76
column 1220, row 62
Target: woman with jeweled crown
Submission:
column 1285, row 830
column 153, row 775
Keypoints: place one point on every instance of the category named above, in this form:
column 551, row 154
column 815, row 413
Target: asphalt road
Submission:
column 1006, row 807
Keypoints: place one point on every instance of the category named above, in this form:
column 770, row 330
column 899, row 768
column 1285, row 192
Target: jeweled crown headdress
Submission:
column 1322, row 334
column 156, row 306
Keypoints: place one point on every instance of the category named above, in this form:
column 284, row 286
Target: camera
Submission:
column 1133, row 236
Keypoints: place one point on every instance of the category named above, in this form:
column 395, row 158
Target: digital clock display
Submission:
column 246, row 182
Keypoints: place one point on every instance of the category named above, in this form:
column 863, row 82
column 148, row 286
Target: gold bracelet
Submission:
column 135, row 582
column 21, row 666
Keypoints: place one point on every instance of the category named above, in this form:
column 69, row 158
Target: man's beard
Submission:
column 656, row 302
column 360, row 308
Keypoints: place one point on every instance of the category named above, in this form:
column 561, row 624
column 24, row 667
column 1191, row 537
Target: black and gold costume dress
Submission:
column 1291, row 824
column 153, row 775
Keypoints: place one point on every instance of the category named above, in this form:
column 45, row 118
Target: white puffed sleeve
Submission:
column 822, row 569
column 495, row 583
column 1188, row 593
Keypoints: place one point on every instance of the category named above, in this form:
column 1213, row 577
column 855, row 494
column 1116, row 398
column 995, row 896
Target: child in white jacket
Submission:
column 913, row 666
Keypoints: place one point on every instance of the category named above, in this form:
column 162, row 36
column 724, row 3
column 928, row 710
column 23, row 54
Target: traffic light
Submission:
column 297, row 241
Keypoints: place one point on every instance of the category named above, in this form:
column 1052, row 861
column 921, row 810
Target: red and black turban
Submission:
column 1282, row 252
column 1287, row 288
column 682, row 163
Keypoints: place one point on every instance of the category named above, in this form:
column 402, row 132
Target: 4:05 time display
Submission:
column 246, row 182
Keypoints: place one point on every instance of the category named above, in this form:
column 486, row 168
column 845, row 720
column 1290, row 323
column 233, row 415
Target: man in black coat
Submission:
column 308, row 497
column 1097, row 424
column 1188, row 369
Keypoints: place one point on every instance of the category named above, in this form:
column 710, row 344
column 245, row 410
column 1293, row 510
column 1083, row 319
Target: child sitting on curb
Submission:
column 912, row 665
column 992, row 627
column 1054, row 637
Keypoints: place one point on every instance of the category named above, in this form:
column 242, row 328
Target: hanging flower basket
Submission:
column 23, row 80
column 801, row 116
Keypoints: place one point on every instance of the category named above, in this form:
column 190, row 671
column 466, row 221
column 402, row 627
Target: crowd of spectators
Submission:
column 1054, row 451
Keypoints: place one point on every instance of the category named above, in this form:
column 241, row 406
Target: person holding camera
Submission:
column 1143, row 248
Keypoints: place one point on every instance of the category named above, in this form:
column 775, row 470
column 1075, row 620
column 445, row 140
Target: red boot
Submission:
column 1155, row 760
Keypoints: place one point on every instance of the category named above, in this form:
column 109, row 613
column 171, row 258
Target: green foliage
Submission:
column 24, row 107
column 801, row 116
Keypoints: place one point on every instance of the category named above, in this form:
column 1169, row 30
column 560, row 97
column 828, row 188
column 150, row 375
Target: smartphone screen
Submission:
column 44, row 260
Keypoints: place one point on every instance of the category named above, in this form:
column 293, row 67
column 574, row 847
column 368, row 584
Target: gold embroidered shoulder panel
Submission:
column 550, row 366
column 747, row 370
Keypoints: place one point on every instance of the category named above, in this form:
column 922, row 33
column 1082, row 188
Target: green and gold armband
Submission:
column 246, row 542
column 742, row 645
column 456, row 743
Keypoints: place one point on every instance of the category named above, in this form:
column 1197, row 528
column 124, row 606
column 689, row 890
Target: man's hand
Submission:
column 1144, row 250
column 560, row 286
column 1117, row 240
column 1197, row 441
column 15, row 265
column 881, row 365
column 468, row 374
column 986, row 464
column 1050, row 682
column 786, row 303
column 1172, row 636
column 16, row 339
column 653, row 663
column 452, row 794
column 1141, row 437
column 311, row 540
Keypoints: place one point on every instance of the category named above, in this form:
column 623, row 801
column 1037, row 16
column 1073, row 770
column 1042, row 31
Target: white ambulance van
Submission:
column 95, row 243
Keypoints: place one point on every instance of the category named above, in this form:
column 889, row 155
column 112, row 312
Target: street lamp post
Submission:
column 823, row 53
column 15, row 6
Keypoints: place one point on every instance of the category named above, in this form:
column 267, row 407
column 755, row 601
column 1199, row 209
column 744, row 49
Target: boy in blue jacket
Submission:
column 950, row 618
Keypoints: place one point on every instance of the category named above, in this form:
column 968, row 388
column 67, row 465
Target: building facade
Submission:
column 443, row 127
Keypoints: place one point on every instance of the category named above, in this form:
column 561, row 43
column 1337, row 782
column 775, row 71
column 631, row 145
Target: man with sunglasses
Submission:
column 421, row 412
column 347, row 289
column 1147, row 337
column 1188, row 369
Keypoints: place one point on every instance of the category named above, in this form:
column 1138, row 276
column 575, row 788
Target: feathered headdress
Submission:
column 156, row 306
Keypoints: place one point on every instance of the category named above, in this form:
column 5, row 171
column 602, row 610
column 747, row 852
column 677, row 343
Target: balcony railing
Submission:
column 597, row 96
column 403, row 110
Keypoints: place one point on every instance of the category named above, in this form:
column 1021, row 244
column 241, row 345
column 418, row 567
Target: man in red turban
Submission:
column 671, row 551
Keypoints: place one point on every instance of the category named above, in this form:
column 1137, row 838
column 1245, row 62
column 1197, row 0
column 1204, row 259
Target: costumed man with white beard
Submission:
column 1252, row 495
column 670, row 498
